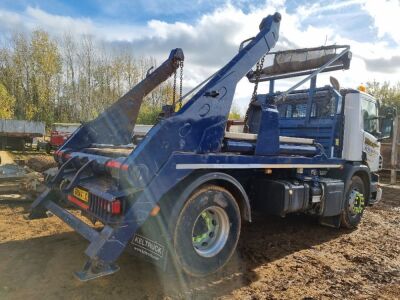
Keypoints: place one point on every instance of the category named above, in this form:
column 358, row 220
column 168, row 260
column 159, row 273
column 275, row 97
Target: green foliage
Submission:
column 388, row 94
column 148, row 114
column 7, row 103
column 235, row 113
column 46, row 66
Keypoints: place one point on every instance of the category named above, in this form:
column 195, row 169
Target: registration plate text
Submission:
column 81, row 194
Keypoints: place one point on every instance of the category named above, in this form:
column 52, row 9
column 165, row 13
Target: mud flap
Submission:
column 151, row 242
column 334, row 197
column 333, row 221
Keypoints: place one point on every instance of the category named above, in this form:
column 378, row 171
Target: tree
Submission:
column 20, row 70
column 72, row 79
column 388, row 94
column 7, row 103
column 46, row 65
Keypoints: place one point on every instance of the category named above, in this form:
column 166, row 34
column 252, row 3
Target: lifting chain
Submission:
column 174, row 91
column 180, row 83
column 257, row 74
column 180, row 86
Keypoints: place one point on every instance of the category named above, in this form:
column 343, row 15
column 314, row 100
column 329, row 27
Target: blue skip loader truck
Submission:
column 179, row 195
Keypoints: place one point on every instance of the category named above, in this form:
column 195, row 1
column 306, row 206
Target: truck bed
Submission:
column 21, row 128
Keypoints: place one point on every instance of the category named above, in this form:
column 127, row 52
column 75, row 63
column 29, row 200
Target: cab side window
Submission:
column 370, row 116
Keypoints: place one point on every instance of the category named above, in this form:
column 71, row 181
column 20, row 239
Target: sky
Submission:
column 209, row 32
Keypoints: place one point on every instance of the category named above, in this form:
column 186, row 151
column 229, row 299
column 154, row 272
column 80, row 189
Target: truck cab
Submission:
column 60, row 132
column 362, row 131
column 347, row 122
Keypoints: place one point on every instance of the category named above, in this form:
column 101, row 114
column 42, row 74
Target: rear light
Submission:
column 113, row 207
column 104, row 208
column 116, row 207
column 100, row 207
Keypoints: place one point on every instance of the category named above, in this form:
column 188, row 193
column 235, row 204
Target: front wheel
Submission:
column 354, row 203
column 206, row 231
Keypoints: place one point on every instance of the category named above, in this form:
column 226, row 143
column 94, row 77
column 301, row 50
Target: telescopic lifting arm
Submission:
column 115, row 124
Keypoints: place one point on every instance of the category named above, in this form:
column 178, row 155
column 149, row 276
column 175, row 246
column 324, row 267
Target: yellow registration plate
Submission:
column 81, row 194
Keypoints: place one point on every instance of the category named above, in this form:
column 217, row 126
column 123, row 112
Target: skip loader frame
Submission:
column 186, row 162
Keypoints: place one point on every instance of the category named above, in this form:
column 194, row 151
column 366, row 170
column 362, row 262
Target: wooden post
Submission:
column 393, row 158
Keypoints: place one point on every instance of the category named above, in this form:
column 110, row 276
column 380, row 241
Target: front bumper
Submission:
column 379, row 193
column 376, row 194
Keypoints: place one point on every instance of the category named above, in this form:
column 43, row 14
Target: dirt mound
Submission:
column 6, row 158
column 36, row 161
column 40, row 163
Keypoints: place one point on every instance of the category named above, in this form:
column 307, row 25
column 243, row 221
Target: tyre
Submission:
column 206, row 231
column 354, row 203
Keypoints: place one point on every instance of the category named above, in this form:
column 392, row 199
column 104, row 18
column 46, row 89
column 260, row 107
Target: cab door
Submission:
column 371, row 134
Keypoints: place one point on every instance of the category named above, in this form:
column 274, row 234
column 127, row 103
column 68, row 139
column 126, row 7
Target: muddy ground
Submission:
column 290, row 258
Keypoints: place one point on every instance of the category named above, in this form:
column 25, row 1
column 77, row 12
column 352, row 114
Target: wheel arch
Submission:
column 188, row 186
column 366, row 178
column 350, row 170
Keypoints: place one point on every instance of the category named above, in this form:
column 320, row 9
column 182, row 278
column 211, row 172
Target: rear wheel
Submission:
column 354, row 203
column 206, row 231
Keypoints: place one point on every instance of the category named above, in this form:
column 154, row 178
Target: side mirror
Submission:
column 386, row 128
column 386, row 122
